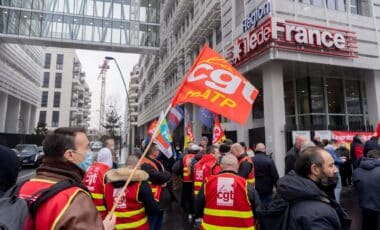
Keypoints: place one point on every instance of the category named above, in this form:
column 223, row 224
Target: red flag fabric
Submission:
column 218, row 135
column 189, row 135
column 152, row 127
column 214, row 84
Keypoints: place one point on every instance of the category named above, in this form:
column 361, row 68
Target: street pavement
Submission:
column 175, row 219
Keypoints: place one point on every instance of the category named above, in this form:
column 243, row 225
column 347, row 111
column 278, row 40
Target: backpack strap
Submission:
column 45, row 194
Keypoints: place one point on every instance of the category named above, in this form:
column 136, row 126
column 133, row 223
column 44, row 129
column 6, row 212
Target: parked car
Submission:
column 96, row 145
column 19, row 159
column 30, row 154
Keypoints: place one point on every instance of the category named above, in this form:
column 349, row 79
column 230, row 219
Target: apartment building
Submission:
column 65, row 95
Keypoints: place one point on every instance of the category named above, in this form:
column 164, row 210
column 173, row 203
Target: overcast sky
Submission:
column 114, row 86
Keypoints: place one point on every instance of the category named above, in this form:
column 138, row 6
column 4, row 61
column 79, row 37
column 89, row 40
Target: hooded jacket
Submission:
column 81, row 212
column 118, row 177
column 310, row 207
column 356, row 151
column 366, row 180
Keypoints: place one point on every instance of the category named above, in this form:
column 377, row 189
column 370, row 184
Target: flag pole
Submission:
column 139, row 162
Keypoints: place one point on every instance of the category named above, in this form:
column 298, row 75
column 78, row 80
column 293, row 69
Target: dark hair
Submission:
column 242, row 143
column 333, row 141
column 55, row 144
column 374, row 153
column 224, row 148
column 325, row 142
column 308, row 157
column 105, row 139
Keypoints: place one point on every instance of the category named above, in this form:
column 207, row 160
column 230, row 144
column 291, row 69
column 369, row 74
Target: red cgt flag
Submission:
column 218, row 135
column 214, row 84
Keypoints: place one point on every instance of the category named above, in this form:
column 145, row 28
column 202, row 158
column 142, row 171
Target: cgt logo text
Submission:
column 225, row 192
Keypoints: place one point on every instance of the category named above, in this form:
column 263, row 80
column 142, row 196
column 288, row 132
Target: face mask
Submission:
column 87, row 161
column 327, row 183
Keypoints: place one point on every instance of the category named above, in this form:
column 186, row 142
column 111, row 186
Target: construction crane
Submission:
column 102, row 75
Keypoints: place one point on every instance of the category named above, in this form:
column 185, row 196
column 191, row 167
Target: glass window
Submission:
column 125, row 33
column 55, row 119
column 335, row 97
column 47, row 61
column 58, row 80
column 24, row 23
column 302, row 93
column 38, row 4
column 218, row 35
column 107, row 31
column 87, row 29
column 4, row 20
column 42, row 117
column 13, row 21
column 353, row 97
column 304, row 122
column 356, row 122
column 289, row 98
column 116, row 32
column 337, row 122
column 57, row 26
column 36, row 24
column 319, row 122
column 126, row 9
column 89, row 7
column 44, row 99
column 57, row 99
column 45, row 83
column 59, row 61
column 354, row 7
column 317, row 95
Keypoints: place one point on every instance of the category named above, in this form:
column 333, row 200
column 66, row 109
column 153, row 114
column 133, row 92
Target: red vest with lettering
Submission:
column 216, row 169
column 52, row 210
column 226, row 203
column 94, row 180
column 251, row 175
column 129, row 212
column 187, row 167
column 156, row 189
column 201, row 171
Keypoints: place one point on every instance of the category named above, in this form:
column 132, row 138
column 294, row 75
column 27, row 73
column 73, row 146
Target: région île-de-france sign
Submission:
column 256, row 15
column 292, row 36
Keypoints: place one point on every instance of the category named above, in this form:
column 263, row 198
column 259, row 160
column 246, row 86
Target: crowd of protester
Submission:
column 221, row 186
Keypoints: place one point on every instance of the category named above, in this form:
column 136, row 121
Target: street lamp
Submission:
column 129, row 106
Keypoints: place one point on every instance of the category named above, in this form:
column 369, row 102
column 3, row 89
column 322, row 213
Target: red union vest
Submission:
column 216, row 169
column 187, row 167
column 94, row 180
column 227, row 205
column 49, row 213
column 156, row 189
column 129, row 212
column 201, row 171
column 251, row 175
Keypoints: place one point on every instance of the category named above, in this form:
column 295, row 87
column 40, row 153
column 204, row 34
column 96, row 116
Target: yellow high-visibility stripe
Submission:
column 154, row 190
column 130, row 213
column 97, row 195
column 196, row 192
column 217, row 227
column 198, row 183
column 43, row 180
column 186, row 174
column 133, row 224
column 228, row 213
column 251, row 181
column 101, row 208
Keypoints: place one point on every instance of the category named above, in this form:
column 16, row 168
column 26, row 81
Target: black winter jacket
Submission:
column 290, row 159
column 366, row 180
column 265, row 173
column 310, row 208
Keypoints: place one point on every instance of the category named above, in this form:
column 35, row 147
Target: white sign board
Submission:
column 323, row 134
column 300, row 133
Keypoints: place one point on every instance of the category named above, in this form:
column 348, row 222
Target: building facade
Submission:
column 20, row 79
column 131, row 115
column 65, row 95
column 315, row 62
